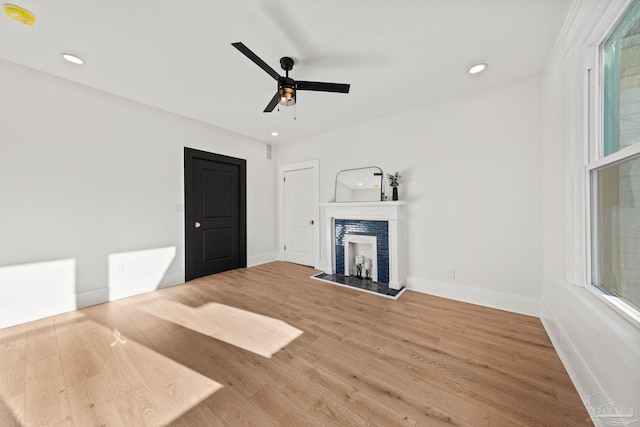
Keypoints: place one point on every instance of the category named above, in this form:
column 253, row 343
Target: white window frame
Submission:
column 595, row 158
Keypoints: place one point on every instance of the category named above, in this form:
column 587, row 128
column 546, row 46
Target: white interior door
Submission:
column 299, row 216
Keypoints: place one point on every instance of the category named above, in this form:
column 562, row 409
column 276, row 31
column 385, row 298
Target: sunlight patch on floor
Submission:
column 172, row 389
column 259, row 334
column 11, row 410
column 81, row 370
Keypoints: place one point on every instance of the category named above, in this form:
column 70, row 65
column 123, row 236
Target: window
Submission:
column 615, row 172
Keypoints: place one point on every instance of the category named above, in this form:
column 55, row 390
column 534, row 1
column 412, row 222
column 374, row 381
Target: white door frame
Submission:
column 315, row 166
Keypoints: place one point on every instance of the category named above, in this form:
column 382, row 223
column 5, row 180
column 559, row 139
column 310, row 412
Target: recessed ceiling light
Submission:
column 73, row 59
column 360, row 184
column 274, row 134
column 477, row 68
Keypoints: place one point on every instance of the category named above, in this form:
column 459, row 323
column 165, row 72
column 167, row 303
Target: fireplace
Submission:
column 361, row 256
column 348, row 226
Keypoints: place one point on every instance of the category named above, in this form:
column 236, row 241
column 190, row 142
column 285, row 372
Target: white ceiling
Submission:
column 177, row 55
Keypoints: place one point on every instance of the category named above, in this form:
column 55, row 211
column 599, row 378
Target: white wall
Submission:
column 85, row 176
column 472, row 180
column 600, row 349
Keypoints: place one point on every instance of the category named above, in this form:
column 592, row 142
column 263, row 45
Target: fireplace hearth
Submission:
column 369, row 286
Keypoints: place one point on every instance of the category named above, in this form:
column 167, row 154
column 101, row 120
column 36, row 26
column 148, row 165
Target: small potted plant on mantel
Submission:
column 394, row 180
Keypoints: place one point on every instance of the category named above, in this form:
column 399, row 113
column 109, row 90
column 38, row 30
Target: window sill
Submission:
column 621, row 308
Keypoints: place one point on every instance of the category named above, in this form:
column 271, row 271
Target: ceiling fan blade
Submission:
column 309, row 52
column 252, row 56
column 323, row 87
column 272, row 104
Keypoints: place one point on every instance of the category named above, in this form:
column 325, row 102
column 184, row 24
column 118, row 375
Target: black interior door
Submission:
column 215, row 213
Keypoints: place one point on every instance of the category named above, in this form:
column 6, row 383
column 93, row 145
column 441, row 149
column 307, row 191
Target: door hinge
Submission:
column 284, row 179
column 285, row 247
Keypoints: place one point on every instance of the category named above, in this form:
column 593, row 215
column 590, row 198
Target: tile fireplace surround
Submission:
column 391, row 212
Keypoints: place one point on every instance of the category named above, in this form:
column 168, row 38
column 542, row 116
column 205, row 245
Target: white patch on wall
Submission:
column 37, row 290
column 132, row 273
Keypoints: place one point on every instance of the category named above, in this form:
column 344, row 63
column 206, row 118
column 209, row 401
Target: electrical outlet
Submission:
column 122, row 267
column 452, row 274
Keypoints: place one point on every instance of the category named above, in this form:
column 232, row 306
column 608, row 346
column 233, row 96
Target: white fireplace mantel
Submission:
column 392, row 212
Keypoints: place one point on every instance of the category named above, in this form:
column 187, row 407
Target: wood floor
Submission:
column 207, row 353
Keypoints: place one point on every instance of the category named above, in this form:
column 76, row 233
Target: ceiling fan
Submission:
column 287, row 87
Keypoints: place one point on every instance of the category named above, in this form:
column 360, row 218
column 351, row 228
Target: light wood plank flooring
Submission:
column 198, row 355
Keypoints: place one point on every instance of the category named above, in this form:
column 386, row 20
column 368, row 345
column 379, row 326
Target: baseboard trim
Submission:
column 472, row 295
column 93, row 297
column 573, row 363
column 24, row 312
column 261, row 259
column 172, row 279
column 580, row 375
column 102, row 295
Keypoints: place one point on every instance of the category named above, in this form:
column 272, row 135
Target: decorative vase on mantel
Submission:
column 394, row 180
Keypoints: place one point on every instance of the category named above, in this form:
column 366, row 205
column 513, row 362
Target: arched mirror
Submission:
column 359, row 185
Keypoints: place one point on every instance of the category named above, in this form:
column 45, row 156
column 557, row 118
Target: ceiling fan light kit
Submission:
column 287, row 87
column 287, row 95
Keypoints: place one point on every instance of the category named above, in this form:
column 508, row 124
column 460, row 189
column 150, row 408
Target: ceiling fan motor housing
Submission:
column 286, row 82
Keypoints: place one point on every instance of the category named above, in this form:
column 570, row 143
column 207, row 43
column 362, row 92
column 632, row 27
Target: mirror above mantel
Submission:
column 359, row 185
